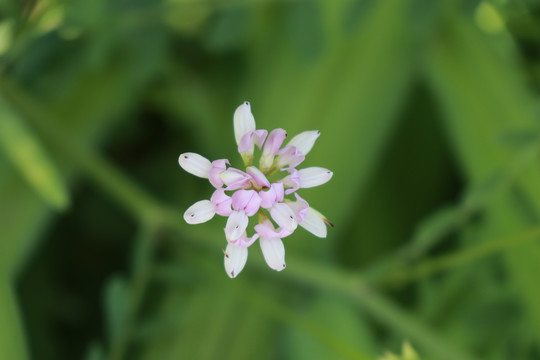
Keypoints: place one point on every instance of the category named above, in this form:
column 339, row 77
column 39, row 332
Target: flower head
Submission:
column 241, row 195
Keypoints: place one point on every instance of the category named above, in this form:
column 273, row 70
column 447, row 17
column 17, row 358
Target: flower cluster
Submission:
column 239, row 195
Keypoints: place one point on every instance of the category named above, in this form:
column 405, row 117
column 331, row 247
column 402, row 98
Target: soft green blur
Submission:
column 429, row 119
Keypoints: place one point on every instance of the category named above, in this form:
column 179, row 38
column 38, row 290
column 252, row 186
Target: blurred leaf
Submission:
column 12, row 342
column 376, row 305
column 29, row 156
column 407, row 353
column 216, row 313
column 483, row 95
column 228, row 31
column 95, row 352
column 117, row 306
column 304, row 23
column 341, row 319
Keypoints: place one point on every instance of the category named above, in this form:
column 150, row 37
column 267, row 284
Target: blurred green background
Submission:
column 428, row 111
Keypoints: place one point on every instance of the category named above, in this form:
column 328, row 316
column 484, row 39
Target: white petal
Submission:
column 235, row 259
column 314, row 176
column 236, row 225
column 284, row 216
column 274, row 253
column 195, row 164
column 314, row 223
column 304, row 141
column 244, row 121
column 200, row 212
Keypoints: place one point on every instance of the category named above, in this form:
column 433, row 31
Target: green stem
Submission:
column 426, row 268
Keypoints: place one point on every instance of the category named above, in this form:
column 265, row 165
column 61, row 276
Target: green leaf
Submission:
column 117, row 305
column 407, row 353
column 30, row 158
column 12, row 342
column 343, row 321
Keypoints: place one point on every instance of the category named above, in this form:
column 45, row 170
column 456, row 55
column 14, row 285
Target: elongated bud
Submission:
column 248, row 142
column 314, row 223
column 284, row 216
column 271, row 148
column 305, row 140
column 244, row 121
column 235, row 259
column 195, row 164
column 200, row 212
column 314, row 176
column 236, row 225
column 273, row 252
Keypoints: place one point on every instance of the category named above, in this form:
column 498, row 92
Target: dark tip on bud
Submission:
column 192, row 215
column 291, row 216
column 328, row 222
column 232, row 273
column 318, row 132
column 246, row 103
column 284, row 266
column 185, row 156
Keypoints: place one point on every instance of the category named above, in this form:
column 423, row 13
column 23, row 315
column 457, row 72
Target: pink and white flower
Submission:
column 240, row 195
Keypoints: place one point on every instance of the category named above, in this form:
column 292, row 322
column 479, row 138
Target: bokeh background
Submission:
column 429, row 118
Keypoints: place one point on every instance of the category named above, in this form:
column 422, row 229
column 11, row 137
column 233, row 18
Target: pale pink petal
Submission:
column 247, row 200
column 235, row 259
column 236, row 225
column 250, row 139
column 314, row 176
column 244, row 121
column 218, row 166
column 272, row 195
column 304, row 141
column 289, row 156
column 274, row 253
column 258, row 177
column 284, row 216
column 267, row 231
column 234, row 178
column 271, row 147
column 222, row 201
column 292, row 181
column 200, row 212
column 245, row 241
column 195, row 164
column 299, row 207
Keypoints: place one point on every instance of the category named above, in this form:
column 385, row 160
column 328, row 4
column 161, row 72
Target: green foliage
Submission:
column 428, row 119
column 407, row 353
